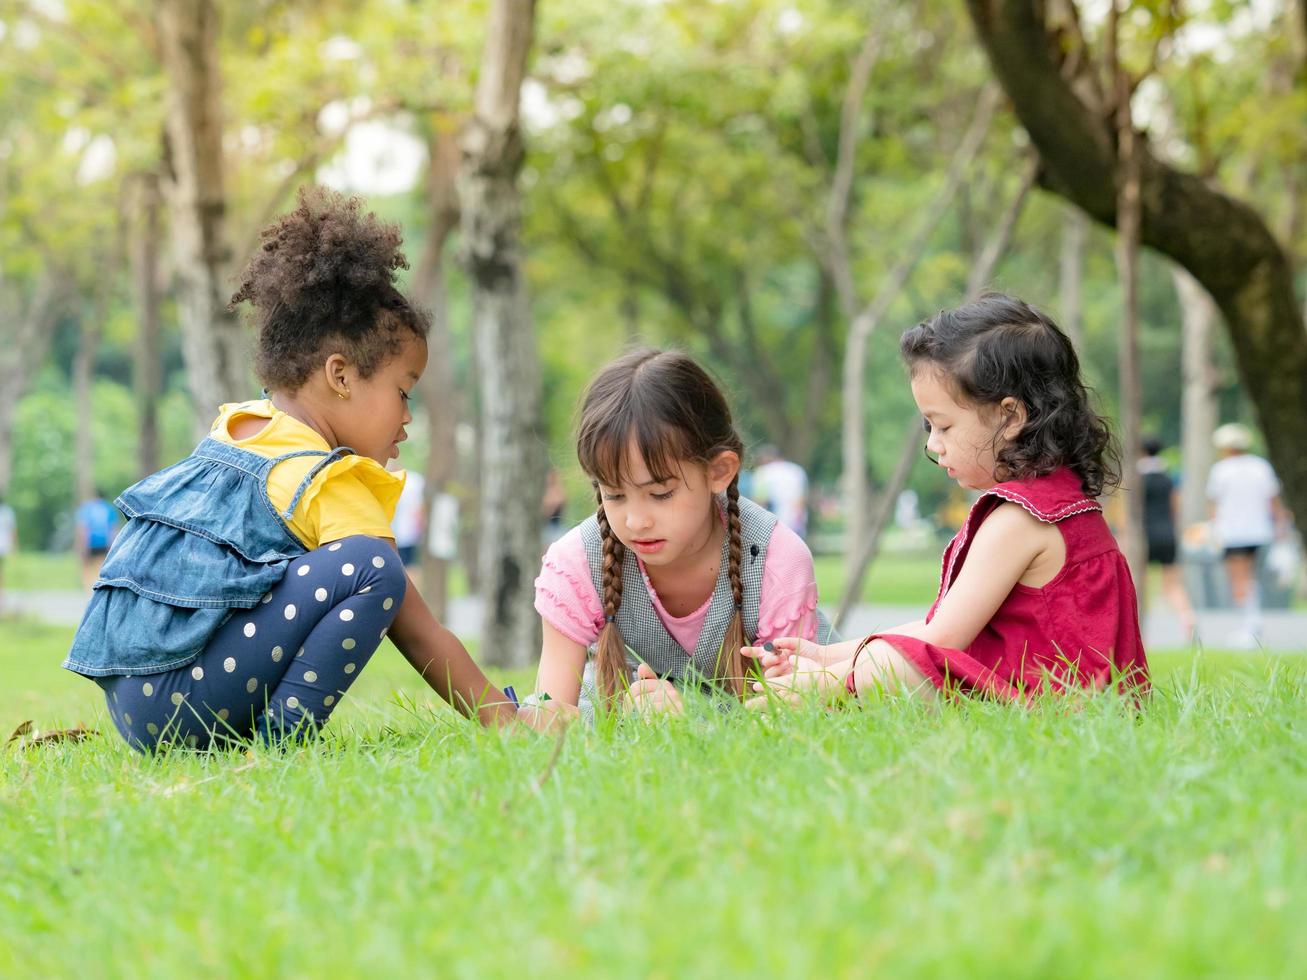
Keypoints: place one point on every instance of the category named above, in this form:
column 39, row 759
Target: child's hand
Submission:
column 775, row 658
column 548, row 715
column 653, row 694
column 801, row 677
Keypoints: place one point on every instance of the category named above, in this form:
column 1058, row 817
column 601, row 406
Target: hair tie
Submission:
column 610, row 619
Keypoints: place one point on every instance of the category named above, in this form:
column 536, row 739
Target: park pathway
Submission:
column 1284, row 631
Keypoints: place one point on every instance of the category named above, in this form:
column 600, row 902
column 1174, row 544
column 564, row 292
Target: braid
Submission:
column 730, row 662
column 610, row 659
column 733, row 536
column 614, row 556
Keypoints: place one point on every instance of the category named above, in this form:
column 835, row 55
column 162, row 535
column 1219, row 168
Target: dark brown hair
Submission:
column 673, row 412
column 323, row 282
column 1000, row 347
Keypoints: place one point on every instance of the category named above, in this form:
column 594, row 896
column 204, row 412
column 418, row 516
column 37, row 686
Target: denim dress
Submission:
column 202, row 540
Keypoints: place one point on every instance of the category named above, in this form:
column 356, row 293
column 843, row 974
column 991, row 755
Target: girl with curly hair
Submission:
column 256, row 577
column 1034, row 594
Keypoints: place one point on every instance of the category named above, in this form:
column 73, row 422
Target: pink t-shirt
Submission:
column 567, row 600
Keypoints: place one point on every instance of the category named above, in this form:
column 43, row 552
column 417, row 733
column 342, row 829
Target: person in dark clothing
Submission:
column 1160, row 530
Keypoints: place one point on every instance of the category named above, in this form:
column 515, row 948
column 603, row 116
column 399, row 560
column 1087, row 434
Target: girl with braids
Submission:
column 255, row 578
column 1034, row 595
column 675, row 572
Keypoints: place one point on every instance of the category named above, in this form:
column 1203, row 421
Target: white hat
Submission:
column 1232, row 435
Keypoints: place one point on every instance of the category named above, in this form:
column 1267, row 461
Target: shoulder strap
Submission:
column 327, row 459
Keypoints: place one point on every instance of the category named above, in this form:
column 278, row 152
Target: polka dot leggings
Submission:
column 278, row 670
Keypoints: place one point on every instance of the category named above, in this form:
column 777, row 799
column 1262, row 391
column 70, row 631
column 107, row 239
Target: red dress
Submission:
column 1081, row 629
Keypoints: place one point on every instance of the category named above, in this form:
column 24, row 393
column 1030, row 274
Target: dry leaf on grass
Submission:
column 27, row 735
column 76, row 734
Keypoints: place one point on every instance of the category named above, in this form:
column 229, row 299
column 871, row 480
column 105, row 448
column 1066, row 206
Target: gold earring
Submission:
column 343, row 395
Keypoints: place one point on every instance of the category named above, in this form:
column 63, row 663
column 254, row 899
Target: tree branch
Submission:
column 853, row 439
column 1223, row 242
column 837, row 207
column 982, row 270
column 878, row 519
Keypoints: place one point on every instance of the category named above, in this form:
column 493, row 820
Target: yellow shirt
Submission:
column 354, row 495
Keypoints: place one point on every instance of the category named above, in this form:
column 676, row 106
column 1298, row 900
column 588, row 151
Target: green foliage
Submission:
column 679, row 165
column 42, row 494
column 689, row 172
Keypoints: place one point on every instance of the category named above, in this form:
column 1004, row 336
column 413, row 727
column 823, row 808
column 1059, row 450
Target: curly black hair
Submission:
column 999, row 347
column 323, row 282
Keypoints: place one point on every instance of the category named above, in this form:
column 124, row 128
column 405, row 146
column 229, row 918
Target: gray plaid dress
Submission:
column 647, row 639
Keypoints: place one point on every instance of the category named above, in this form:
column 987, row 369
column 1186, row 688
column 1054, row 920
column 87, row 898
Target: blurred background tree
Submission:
column 762, row 182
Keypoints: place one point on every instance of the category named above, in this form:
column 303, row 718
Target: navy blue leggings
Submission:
column 279, row 669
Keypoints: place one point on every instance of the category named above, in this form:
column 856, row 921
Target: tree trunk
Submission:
column 878, row 518
column 88, row 343
column 864, row 322
column 25, row 334
column 145, row 204
column 1223, row 242
column 628, row 310
column 439, row 392
column 212, row 341
column 1127, row 266
column 1071, row 275
column 508, row 361
column 1198, row 409
column 821, row 367
column 750, row 360
column 990, row 254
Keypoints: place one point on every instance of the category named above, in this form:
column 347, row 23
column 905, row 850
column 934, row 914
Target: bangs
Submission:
column 603, row 448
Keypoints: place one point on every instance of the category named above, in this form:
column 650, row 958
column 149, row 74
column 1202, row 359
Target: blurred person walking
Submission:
column 96, row 523
column 8, row 542
column 781, row 486
column 410, row 522
column 1160, row 531
column 1245, row 505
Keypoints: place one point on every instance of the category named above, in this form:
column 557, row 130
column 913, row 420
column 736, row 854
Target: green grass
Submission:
column 42, row 570
column 893, row 580
column 976, row 840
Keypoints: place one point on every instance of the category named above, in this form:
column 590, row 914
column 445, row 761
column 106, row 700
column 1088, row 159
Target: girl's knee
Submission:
column 374, row 560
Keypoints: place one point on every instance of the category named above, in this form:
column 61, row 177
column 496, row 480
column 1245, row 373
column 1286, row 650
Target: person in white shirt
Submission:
column 1246, row 517
column 410, row 524
column 8, row 541
column 782, row 487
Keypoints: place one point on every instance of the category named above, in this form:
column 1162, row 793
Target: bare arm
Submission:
column 777, row 660
column 562, row 662
column 1279, row 516
column 444, row 663
column 1007, row 543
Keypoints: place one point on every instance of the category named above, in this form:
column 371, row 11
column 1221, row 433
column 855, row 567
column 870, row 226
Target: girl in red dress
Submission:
column 1034, row 593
